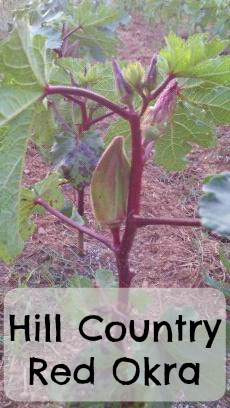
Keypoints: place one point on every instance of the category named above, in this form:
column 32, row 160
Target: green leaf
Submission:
column 77, row 160
column 214, row 208
column 16, row 110
column 98, row 76
column 43, row 126
column 217, row 285
column 49, row 189
column 183, row 56
column 64, row 144
column 105, row 278
column 74, row 66
column 27, row 206
column 225, row 261
column 216, row 70
column 23, row 71
column 92, row 36
column 23, row 58
column 214, row 99
column 88, row 15
column 119, row 128
column 79, row 282
column 105, row 84
column 189, row 126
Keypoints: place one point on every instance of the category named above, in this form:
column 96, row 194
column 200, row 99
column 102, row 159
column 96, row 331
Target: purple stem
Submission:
column 71, row 223
column 101, row 100
column 186, row 222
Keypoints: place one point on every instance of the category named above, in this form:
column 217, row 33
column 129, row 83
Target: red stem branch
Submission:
column 74, row 30
column 183, row 222
column 101, row 100
column 71, row 223
column 100, row 118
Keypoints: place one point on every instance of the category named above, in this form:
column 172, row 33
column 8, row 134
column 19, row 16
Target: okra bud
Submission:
column 134, row 74
column 124, row 89
column 151, row 75
column 156, row 118
column 110, row 184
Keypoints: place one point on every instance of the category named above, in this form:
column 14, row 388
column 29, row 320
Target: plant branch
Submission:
column 186, row 222
column 75, row 100
column 71, row 223
column 101, row 100
column 74, row 30
column 100, row 118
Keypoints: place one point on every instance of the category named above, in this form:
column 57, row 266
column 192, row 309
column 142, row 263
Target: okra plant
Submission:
column 59, row 100
column 186, row 15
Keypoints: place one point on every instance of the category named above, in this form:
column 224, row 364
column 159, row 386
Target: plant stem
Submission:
column 101, row 100
column 100, row 118
column 133, row 203
column 183, row 222
column 116, row 236
column 81, row 194
column 74, row 30
column 71, row 223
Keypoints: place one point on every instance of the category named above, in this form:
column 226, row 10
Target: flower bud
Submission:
column 157, row 117
column 124, row 89
column 151, row 75
column 134, row 74
column 110, row 185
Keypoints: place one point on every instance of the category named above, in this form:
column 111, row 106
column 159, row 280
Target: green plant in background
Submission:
column 188, row 16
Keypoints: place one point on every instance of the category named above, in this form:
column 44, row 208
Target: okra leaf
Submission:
column 214, row 99
column 43, row 126
column 79, row 282
column 189, row 126
column 49, row 189
column 87, row 15
column 75, row 160
column 192, row 57
column 23, row 72
column 23, row 58
column 217, row 285
column 215, row 70
column 214, row 207
column 99, row 77
column 26, row 209
column 105, row 278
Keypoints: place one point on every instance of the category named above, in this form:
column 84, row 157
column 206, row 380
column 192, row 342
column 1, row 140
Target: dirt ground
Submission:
column 161, row 256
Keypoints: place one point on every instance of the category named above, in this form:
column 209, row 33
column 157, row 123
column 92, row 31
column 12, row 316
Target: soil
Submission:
column 169, row 256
